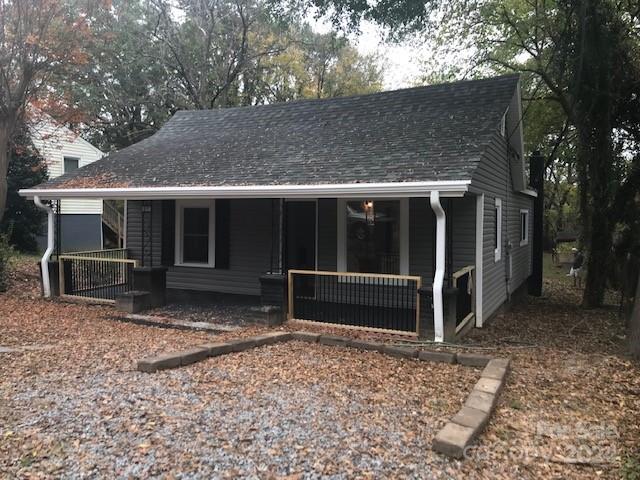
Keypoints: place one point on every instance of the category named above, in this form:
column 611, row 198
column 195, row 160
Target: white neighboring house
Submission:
column 64, row 151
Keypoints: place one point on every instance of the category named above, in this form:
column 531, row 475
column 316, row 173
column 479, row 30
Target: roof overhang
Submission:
column 455, row 188
column 530, row 192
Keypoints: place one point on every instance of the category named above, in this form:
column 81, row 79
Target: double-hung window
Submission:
column 195, row 233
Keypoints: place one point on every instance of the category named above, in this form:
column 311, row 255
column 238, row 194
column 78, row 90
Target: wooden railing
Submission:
column 114, row 253
column 96, row 275
column 463, row 280
column 366, row 301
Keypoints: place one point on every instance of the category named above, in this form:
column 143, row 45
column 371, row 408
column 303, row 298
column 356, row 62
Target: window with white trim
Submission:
column 497, row 238
column 195, row 233
column 524, row 227
column 373, row 236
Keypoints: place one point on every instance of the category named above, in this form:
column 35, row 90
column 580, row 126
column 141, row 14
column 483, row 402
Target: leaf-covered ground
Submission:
column 73, row 406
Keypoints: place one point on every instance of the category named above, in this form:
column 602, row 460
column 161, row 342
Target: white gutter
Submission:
column 438, row 278
column 347, row 190
column 44, row 262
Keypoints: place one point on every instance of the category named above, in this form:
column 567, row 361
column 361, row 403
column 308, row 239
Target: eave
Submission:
column 348, row 190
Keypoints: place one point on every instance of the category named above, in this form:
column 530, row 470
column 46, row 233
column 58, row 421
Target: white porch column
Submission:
column 479, row 273
column 438, row 278
column 44, row 262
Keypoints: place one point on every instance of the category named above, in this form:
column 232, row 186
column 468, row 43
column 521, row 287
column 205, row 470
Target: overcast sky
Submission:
column 401, row 61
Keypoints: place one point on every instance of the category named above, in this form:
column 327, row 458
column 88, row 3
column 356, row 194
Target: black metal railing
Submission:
column 366, row 301
column 463, row 281
column 97, row 275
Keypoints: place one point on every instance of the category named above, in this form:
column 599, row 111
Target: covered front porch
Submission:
column 401, row 260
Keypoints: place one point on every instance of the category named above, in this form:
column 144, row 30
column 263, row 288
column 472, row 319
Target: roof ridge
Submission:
column 347, row 97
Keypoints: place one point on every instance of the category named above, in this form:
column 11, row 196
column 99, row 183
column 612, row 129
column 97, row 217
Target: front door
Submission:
column 301, row 235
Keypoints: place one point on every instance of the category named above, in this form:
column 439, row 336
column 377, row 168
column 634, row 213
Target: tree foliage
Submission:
column 40, row 41
column 582, row 79
column 151, row 58
column 23, row 220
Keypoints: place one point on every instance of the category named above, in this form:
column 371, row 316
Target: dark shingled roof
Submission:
column 418, row 134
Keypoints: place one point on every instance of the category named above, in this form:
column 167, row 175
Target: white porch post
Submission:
column 44, row 262
column 479, row 273
column 438, row 278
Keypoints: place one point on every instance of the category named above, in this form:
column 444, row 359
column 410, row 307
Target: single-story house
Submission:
column 372, row 203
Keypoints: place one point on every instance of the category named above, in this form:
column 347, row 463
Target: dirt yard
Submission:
column 73, row 406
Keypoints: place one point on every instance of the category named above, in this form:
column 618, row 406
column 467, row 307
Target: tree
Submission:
column 313, row 66
column 23, row 220
column 581, row 55
column 125, row 93
column 39, row 40
column 150, row 58
column 634, row 324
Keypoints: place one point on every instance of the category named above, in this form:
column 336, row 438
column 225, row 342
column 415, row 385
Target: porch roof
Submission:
column 414, row 139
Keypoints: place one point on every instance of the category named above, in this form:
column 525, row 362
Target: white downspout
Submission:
column 438, row 278
column 46, row 285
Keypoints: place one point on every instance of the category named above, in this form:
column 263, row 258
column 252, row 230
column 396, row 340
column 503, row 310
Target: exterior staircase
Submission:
column 113, row 222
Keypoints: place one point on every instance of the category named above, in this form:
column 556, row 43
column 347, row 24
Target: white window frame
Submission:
column 498, row 215
column 179, row 253
column 342, row 232
column 524, row 241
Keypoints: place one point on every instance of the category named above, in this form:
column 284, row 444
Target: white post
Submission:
column 44, row 262
column 438, row 278
column 479, row 277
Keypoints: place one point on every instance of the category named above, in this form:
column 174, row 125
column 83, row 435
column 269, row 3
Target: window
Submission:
column 373, row 236
column 195, row 229
column 71, row 164
column 497, row 239
column 524, row 227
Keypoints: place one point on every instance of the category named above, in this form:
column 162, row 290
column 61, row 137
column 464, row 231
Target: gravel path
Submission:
column 78, row 409
column 278, row 410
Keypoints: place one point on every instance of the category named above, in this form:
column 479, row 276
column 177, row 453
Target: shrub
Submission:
column 6, row 252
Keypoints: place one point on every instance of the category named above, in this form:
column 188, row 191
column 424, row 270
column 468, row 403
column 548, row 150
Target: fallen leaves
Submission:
column 77, row 407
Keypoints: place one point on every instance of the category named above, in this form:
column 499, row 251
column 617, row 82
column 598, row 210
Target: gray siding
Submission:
column 493, row 178
column 249, row 255
column 462, row 215
column 521, row 255
column 77, row 233
column 421, row 237
column 134, row 231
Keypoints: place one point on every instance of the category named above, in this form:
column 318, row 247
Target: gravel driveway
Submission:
column 74, row 407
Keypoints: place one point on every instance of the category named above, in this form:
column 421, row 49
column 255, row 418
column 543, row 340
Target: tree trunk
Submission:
column 634, row 325
column 4, row 165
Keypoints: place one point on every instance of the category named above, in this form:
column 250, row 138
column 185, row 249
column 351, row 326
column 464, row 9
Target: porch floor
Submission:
column 210, row 307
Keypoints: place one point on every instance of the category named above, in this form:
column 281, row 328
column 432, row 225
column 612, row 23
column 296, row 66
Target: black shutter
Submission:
column 223, row 220
column 168, row 253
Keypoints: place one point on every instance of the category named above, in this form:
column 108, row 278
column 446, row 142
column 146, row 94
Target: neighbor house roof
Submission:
column 425, row 134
